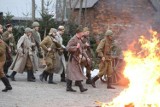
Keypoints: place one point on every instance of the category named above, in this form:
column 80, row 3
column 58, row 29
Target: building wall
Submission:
column 116, row 15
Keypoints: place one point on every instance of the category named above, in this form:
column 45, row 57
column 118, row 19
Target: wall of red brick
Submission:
column 116, row 15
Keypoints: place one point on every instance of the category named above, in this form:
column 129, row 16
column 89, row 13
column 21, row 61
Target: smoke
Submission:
column 135, row 18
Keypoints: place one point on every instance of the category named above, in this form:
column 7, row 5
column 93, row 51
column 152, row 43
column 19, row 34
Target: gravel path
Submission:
column 42, row 94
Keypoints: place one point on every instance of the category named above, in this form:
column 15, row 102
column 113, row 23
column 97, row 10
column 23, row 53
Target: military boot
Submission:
column 12, row 75
column 33, row 77
column 82, row 89
column 50, row 81
column 29, row 76
column 94, row 80
column 6, row 83
column 6, row 66
column 42, row 75
column 76, row 83
column 63, row 79
column 109, row 83
column 69, row 86
column 46, row 76
column 88, row 81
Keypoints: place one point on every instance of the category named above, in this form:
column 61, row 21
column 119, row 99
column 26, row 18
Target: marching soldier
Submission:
column 4, row 79
column 74, row 70
column 50, row 46
column 25, row 58
column 8, row 38
column 104, row 52
column 36, row 34
column 59, row 38
column 88, row 50
column 36, row 38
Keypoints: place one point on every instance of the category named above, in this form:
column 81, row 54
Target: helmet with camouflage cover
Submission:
column 109, row 33
column 35, row 24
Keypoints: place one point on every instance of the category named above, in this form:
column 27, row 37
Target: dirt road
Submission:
column 42, row 94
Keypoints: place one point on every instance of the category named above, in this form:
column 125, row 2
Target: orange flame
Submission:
column 143, row 71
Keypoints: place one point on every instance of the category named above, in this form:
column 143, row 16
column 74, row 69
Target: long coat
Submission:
column 24, row 51
column 61, row 65
column 2, row 57
column 50, row 58
column 74, row 70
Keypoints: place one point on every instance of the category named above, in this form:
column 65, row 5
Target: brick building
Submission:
column 117, row 15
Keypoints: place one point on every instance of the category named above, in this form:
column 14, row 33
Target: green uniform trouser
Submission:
column 1, row 70
column 51, row 63
column 105, row 68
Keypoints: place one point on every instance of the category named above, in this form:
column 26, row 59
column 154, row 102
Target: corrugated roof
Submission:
column 85, row 4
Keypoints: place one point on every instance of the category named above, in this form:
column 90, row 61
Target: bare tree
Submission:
column 64, row 11
column 33, row 10
column 42, row 5
column 26, row 15
column 72, row 4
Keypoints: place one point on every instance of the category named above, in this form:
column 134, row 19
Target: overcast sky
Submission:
column 18, row 7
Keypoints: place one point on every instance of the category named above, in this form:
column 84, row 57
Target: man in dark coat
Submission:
column 74, row 70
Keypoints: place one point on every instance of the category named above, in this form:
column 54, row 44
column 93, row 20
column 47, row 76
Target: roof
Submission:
column 155, row 4
column 85, row 4
column 24, row 18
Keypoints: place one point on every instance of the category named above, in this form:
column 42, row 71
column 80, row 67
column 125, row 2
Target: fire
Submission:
column 143, row 71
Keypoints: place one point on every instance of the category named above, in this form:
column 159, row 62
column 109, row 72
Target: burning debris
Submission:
column 143, row 72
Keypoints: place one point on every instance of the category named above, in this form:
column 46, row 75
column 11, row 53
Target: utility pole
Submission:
column 33, row 10
column 58, row 10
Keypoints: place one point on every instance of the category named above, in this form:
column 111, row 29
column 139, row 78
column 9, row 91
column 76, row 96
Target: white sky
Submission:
column 18, row 7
